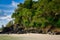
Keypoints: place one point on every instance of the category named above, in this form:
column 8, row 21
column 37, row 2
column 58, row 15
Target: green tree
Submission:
column 9, row 24
column 38, row 13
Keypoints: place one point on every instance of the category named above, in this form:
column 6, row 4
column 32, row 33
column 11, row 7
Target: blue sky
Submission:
column 7, row 7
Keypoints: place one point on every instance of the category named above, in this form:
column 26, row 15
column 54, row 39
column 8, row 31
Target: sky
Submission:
column 7, row 7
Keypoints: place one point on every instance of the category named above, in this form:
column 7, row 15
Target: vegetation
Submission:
column 37, row 14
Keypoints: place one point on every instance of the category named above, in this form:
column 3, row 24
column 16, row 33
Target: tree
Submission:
column 38, row 13
column 9, row 24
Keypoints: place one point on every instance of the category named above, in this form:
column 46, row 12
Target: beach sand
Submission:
column 31, row 36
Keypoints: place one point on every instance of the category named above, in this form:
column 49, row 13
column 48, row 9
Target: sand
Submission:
column 32, row 36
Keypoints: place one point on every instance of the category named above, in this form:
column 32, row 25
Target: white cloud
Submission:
column 6, row 17
column 14, row 3
column 35, row 0
column 8, row 10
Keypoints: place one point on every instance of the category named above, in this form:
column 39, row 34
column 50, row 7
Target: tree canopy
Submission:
column 38, row 13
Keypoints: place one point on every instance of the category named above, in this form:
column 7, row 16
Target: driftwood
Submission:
column 17, row 29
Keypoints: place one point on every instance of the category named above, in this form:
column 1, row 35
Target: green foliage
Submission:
column 9, row 24
column 28, row 3
column 38, row 13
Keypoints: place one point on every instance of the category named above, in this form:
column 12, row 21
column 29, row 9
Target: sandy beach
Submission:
column 31, row 36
